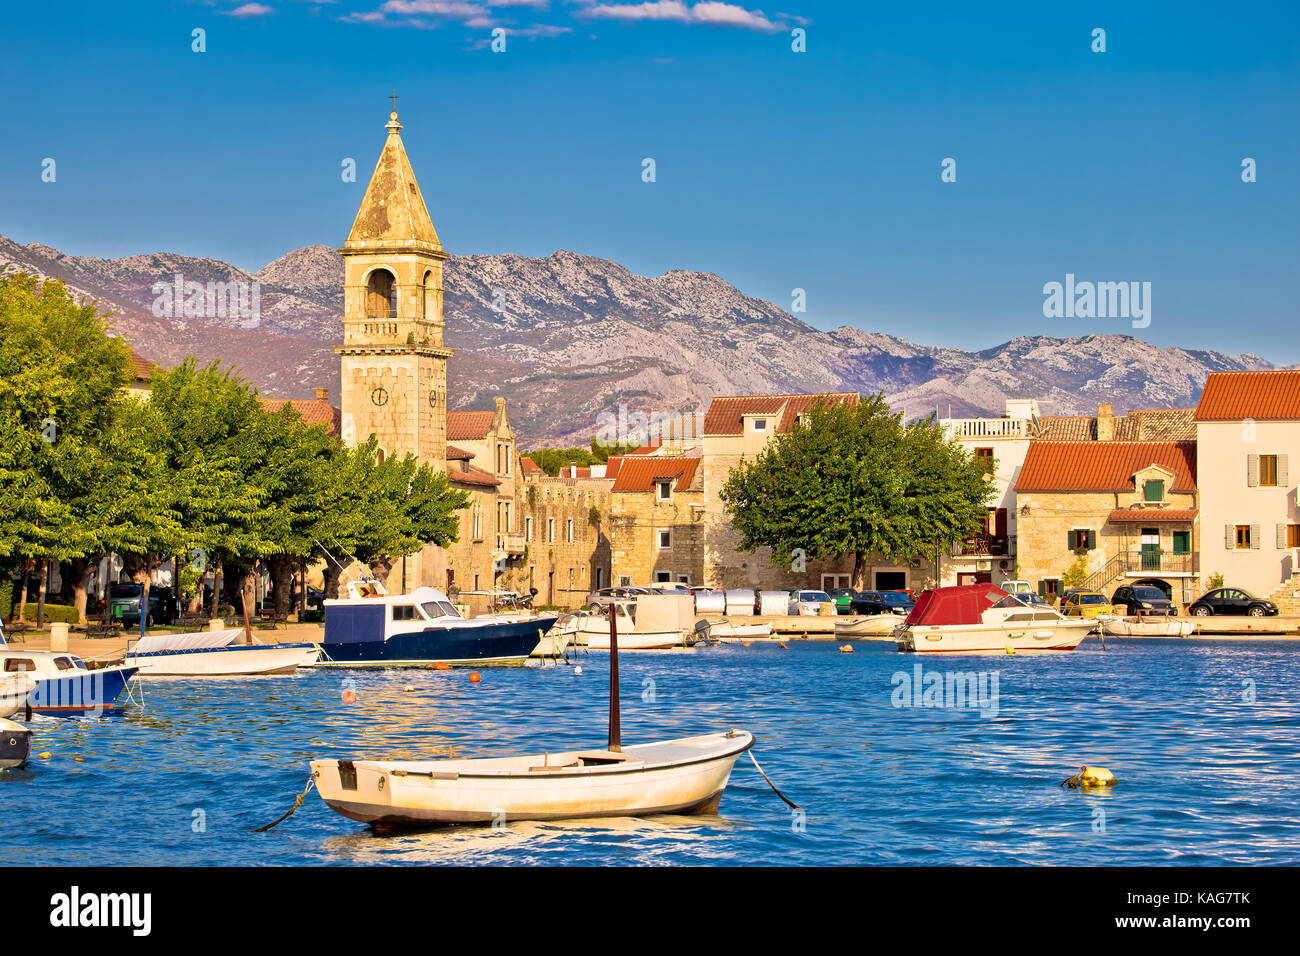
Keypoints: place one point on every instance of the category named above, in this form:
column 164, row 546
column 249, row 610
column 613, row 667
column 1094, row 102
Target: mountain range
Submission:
column 568, row 337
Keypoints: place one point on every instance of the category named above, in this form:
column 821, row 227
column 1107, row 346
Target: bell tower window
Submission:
column 381, row 295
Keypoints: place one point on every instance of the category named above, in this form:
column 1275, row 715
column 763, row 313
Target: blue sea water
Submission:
column 1203, row 736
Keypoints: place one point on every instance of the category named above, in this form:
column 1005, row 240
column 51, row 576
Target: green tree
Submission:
column 854, row 480
column 1077, row 572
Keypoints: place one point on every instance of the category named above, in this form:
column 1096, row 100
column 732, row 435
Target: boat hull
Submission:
column 14, row 693
column 878, row 626
column 1147, row 627
column 497, row 642
column 81, row 693
column 236, row 660
column 15, row 745
column 993, row 638
column 537, row 787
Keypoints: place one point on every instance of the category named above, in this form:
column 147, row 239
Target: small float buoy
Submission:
column 783, row 646
column 349, row 697
column 578, row 669
column 79, row 759
column 46, row 755
column 1011, row 650
column 1089, row 778
column 442, row 666
column 846, row 649
column 473, row 677
column 408, row 688
column 744, row 644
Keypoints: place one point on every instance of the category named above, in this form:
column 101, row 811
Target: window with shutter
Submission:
column 1153, row 491
column 1243, row 536
column 1092, row 539
column 1283, row 471
column 1268, row 471
column 1230, row 536
column 1182, row 542
column 1252, row 470
column 1281, row 536
column 1256, row 535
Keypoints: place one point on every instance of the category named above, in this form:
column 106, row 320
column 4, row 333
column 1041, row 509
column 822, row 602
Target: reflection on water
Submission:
column 1205, row 777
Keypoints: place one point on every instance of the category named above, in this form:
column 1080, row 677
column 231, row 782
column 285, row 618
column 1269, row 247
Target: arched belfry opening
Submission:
column 427, row 307
column 381, row 295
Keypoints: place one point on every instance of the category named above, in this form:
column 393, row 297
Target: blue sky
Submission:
column 774, row 169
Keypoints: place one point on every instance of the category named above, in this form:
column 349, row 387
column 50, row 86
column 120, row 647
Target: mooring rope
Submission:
column 791, row 803
column 311, row 782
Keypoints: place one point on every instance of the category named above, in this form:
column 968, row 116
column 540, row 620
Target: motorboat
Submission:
column 984, row 618
column 687, row 775
column 590, row 629
column 879, row 626
column 15, row 744
column 65, row 687
column 221, row 653
column 372, row 628
column 727, row 631
column 1148, row 626
column 15, row 689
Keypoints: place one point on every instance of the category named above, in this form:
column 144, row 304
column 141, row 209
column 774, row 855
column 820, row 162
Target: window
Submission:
column 1243, row 536
column 624, row 581
column 1268, row 471
column 665, row 490
column 1153, row 490
column 984, row 458
column 550, row 529
column 663, row 577
column 1049, row 587
column 568, row 530
column 404, row 612
column 1082, row 539
column 760, row 424
column 528, row 529
column 665, row 540
column 1182, row 542
column 1293, row 536
column 683, row 579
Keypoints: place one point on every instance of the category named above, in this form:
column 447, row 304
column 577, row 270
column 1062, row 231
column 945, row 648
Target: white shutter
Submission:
column 1283, row 472
column 1252, row 470
column 1229, row 536
column 1256, row 534
column 1281, row 537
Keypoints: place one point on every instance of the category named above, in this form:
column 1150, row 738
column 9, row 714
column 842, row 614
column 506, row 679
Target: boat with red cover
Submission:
column 982, row 618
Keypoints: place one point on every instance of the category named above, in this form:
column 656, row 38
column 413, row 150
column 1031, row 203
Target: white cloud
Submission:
column 711, row 12
column 251, row 10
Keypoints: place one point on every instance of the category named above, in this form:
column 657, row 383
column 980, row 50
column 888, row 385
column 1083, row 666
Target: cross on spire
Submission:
column 394, row 99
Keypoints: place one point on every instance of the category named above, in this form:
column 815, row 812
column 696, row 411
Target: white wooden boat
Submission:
column 729, row 632
column 15, row 744
column 981, row 618
column 879, row 626
column 675, row 776
column 65, row 686
column 215, row 654
column 591, row 629
column 1147, row 627
column 15, row 690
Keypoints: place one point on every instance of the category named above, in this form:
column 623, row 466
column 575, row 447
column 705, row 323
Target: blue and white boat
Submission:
column 65, row 687
column 224, row 653
column 372, row 628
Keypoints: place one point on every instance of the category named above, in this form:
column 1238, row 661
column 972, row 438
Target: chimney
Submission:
column 322, row 394
column 1105, row 422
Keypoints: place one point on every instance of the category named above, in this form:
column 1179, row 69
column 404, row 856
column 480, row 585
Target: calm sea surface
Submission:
column 1206, row 776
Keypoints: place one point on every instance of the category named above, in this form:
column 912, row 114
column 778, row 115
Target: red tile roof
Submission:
column 641, row 474
column 458, row 454
column 725, row 415
column 312, row 410
column 1147, row 424
column 529, row 467
column 1151, row 515
column 141, row 367
column 647, row 449
column 612, row 466
column 1264, row 396
column 471, row 476
column 1104, row 466
column 468, row 426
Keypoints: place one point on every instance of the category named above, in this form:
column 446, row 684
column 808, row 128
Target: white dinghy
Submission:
column 215, row 654
column 674, row 776
column 727, row 631
column 1147, row 627
column 15, row 692
column 879, row 626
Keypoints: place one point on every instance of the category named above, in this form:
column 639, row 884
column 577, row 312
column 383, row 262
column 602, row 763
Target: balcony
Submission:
column 987, row 427
column 512, row 544
column 983, row 545
column 1136, row 563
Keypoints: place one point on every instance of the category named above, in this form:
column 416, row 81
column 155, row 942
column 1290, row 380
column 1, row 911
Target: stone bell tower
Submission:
column 394, row 363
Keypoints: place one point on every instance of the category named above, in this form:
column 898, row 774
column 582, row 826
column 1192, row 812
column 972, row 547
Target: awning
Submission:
column 1152, row 515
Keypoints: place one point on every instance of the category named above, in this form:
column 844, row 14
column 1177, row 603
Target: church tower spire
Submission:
column 393, row 359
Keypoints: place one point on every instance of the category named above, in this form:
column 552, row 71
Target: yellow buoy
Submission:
column 79, row 759
column 1089, row 778
column 45, row 756
column 1011, row 650
column 846, row 649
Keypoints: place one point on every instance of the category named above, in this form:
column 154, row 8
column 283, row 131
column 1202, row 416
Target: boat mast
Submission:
column 615, row 730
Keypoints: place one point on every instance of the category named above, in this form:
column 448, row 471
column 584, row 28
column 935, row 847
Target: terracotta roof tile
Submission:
column 1148, row 424
column 529, row 467
column 1104, row 466
column 471, row 476
column 468, row 426
column 1264, row 396
column 640, row 474
column 612, row 466
column 141, row 367
column 725, row 416
column 1151, row 515
column 312, row 410
column 458, row 454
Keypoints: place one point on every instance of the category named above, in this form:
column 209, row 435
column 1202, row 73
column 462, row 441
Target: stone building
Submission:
column 566, row 536
column 657, row 523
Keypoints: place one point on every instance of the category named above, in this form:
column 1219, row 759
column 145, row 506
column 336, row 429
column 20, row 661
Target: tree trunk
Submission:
column 302, row 589
column 248, row 596
column 81, row 571
column 859, row 571
column 42, row 581
column 380, row 569
column 282, row 582
column 218, row 579
column 330, row 583
column 27, row 566
column 140, row 575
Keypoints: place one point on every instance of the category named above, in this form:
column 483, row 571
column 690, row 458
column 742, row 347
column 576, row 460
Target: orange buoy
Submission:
column 442, row 666
column 846, row 649
column 473, row 677
column 745, row 644
column 783, row 646
column 349, row 697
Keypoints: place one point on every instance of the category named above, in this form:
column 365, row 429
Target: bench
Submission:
column 100, row 629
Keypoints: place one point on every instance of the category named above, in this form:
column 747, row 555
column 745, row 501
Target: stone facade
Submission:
column 566, row 534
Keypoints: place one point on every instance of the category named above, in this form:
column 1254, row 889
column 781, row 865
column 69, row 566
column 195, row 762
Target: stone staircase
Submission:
column 1284, row 596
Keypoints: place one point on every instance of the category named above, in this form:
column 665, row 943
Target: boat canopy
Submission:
column 956, row 605
column 189, row 641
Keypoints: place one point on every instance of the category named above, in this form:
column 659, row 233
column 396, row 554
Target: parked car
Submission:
column 1142, row 601
column 882, row 602
column 609, row 595
column 1085, row 604
column 843, row 598
column 124, row 602
column 1232, row 601
column 808, row 602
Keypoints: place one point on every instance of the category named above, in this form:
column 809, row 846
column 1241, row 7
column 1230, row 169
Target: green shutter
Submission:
column 1042, row 588
column 1069, row 540
column 1092, row 539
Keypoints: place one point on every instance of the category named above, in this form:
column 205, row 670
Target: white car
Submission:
column 808, row 602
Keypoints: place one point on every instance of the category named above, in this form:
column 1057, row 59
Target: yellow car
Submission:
column 1085, row 604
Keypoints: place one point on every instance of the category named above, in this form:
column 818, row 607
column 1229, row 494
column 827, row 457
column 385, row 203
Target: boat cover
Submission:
column 189, row 641
column 955, row 605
